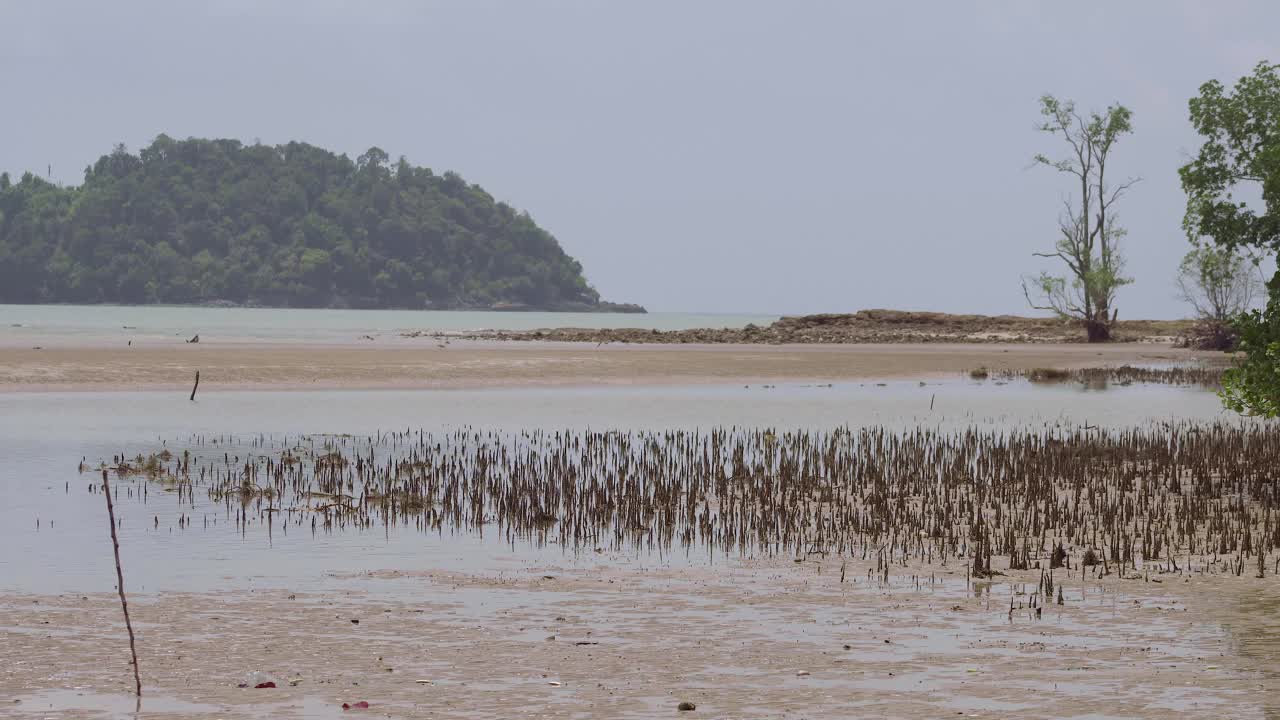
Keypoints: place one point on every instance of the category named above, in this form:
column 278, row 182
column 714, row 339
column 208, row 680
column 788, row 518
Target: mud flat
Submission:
column 752, row 639
column 460, row 364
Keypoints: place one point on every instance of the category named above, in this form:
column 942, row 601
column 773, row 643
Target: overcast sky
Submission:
column 711, row 156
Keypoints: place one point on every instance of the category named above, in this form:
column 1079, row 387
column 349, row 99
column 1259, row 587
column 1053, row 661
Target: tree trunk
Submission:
column 1098, row 331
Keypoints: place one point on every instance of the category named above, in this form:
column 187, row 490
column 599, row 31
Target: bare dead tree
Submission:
column 1219, row 284
column 1089, row 237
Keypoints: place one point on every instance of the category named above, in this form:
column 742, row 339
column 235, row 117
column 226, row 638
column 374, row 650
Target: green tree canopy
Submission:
column 1241, row 157
column 195, row 221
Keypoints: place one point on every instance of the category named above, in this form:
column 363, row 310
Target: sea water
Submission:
column 27, row 325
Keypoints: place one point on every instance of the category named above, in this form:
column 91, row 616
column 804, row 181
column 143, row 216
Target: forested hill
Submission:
column 217, row 221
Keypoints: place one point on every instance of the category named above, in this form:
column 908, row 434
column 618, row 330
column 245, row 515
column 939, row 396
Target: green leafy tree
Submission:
column 1253, row 386
column 190, row 221
column 1240, row 158
column 1089, row 237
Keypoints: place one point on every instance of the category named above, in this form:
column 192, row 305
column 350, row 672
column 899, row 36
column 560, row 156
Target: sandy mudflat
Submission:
column 485, row 364
column 767, row 639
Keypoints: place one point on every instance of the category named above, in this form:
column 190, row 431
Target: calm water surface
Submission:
column 43, row 437
column 22, row 325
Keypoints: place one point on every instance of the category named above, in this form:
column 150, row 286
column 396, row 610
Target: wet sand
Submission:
column 466, row 364
column 746, row 639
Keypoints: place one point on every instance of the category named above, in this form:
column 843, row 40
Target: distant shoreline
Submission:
column 864, row 326
column 603, row 307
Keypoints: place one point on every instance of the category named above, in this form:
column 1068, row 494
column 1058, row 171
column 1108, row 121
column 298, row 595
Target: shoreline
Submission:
column 864, row 326
column 481, row 364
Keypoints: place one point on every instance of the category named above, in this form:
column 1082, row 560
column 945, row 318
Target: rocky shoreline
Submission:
column 864, row 326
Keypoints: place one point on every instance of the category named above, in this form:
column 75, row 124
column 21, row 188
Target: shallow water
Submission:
column 476, row 616
column 54, row 534
column 25, row 325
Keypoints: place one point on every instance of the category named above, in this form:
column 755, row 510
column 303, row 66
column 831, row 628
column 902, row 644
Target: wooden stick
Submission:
column 194, row 387
column 124, row 604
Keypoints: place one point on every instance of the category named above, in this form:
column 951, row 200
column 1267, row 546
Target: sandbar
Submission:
column 427, row 364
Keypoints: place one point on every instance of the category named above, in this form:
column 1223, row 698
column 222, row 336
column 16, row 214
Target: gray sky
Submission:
column 711, row 156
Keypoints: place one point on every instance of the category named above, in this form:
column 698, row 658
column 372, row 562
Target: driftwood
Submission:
column 195, row 387
column 124, row 604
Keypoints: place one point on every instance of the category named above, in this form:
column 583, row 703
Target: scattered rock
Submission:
column 686, row 706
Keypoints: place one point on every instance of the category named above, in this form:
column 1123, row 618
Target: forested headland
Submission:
column 220, row 222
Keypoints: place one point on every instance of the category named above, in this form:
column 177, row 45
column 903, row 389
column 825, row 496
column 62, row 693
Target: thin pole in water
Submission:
column 195, row 387
column 124, row 604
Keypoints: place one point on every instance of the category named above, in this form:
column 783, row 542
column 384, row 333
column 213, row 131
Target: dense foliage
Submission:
column 293, row 225
column 1253, row 386
column 1240, row 157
